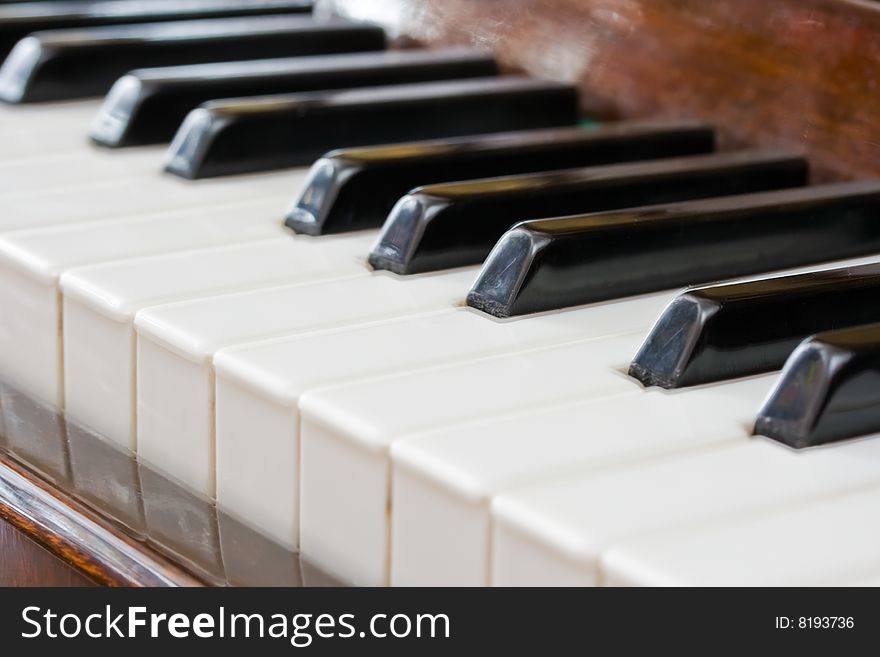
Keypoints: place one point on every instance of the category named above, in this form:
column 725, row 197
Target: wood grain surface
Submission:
column 799, row 74
column 25, row 563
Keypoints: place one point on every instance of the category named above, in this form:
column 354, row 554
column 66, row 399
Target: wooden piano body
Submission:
column 799, row 74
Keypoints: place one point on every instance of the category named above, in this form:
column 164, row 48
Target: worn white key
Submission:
column 829, row 542
column 176, row 346
column 73, row 168
column 32, row 261
column 346, row 433
column 114, row 199
column 100, row 303
column 872, row 580
column 444, row 480
column 557, row 533
column 27, row 145
column 262, row 383
column 29, row 130
column 258, row 387
column 63, row 116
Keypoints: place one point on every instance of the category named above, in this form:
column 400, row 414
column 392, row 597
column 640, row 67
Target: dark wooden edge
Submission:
column 797, row 74
column 79, row 537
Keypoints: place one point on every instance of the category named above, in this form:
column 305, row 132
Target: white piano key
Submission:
column 30, row 353
column 176, row 345
column 43, row 129
column 444, row 480
column 557, row 533
column 100, row 303
column 872, row 580
column 825, row 542
column 258, row 387
column 74, row 168
column 346, row 432
column 26, row 144
column 116, row 199
column 52, row 140
column 31, row 262
column 64, row 116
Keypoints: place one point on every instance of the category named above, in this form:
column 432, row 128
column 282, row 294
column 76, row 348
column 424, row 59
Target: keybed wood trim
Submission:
column 796, row 74
column 26, row 563
column 80, row 538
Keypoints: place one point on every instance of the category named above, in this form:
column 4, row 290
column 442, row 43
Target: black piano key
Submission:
column 273, row 132
column 78, row 63
column 356, row 188
column 147, row 106
column 728, row 331
column 554, row 263
column 829, row 390
column 19, row 20
column 456, row 224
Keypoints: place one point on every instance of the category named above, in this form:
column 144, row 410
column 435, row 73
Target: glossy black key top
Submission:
column 829, row 390
column 147, row 106
column 555, row 263
column 356, row 188
column 77, row 63
column 19, row 20
column 456, row 224
column 273, row 132
column 728, row 331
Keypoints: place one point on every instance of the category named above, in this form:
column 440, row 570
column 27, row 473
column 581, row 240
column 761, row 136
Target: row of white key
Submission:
column 566, row 531
column 67, row 204
column 30, row 131
column 258, row 387
column 176, row 344
column 68, row 117
column 831, row 541
column 129, row 223
column 406, row 553
column 444, row 480
column 100, row 304
column 75, row 169
column 266, row 382
column 113, row 198
column 167, row 384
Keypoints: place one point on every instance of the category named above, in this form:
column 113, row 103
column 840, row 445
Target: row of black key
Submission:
column 707, row 334
column 237, row 136
column 80, row 63
column 19, row 20
column 148, row 105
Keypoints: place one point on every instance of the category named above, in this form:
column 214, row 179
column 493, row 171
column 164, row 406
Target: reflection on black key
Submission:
column 829, row 390
column 17, row 21
column 355, row 188
column 63, row 64
column 147, row 106
column 273, row 132
column 456, row 224
column 554, row 263
column 727, row 331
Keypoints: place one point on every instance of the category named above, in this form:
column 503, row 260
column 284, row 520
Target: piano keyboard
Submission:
column 419, row 324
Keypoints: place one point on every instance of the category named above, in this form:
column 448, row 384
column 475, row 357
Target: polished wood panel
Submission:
column 799, row 74
column 25, row 563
